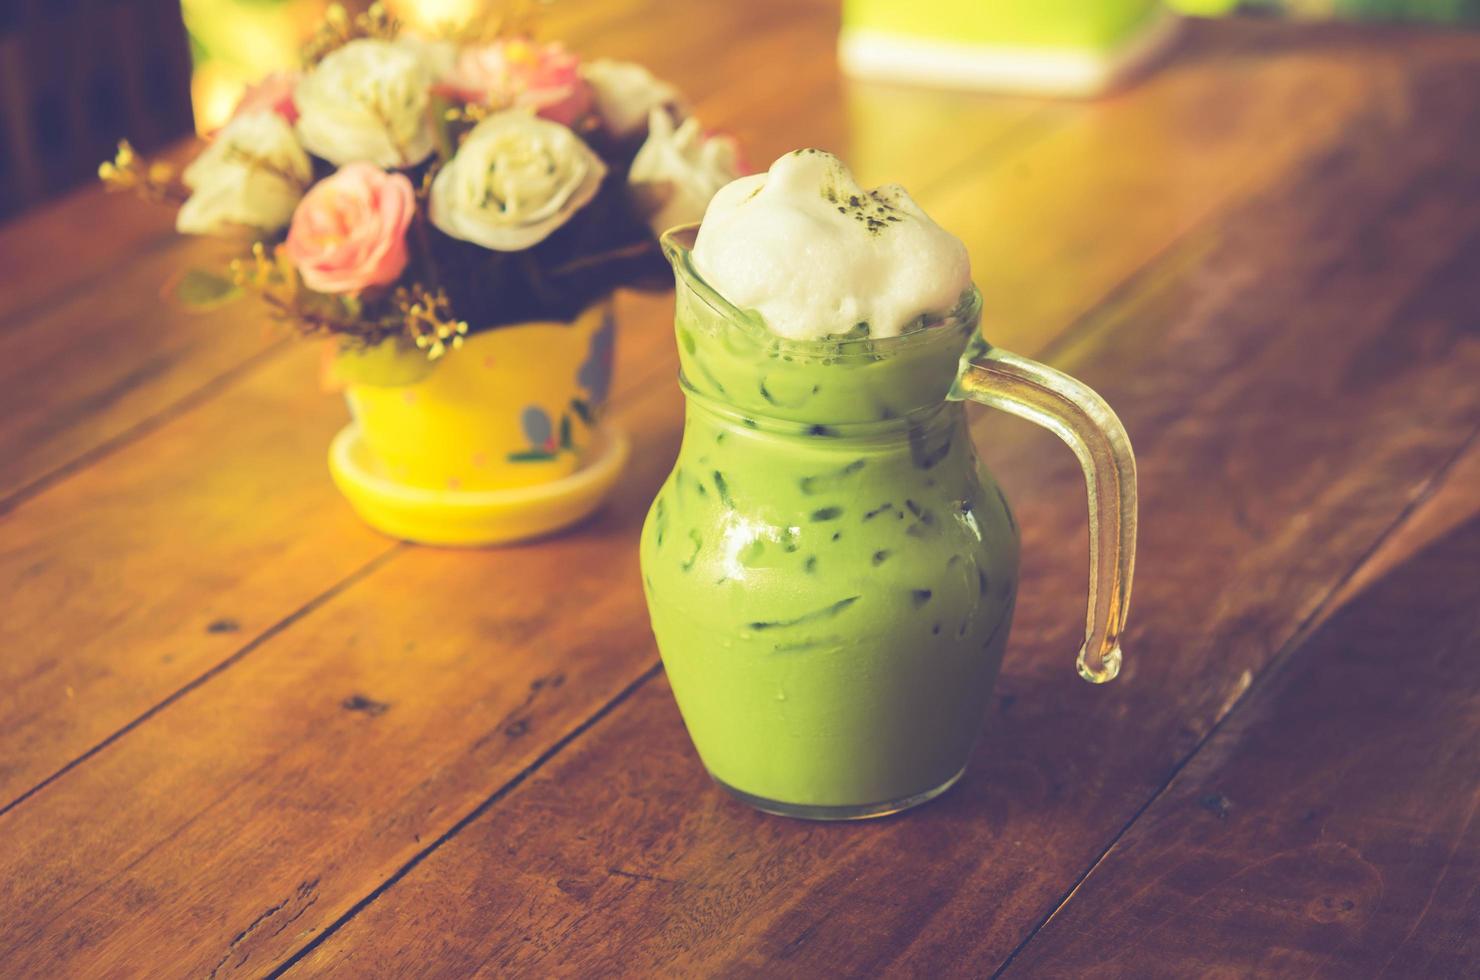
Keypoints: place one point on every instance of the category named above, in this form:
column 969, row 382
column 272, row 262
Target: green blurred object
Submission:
column 1433, row 11
column 1064, row 47
column 1204, row 8
column 200, row 290
column 236, row 42
column 1047, row 23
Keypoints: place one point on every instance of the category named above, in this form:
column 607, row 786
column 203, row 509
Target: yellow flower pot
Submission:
column 499, row 441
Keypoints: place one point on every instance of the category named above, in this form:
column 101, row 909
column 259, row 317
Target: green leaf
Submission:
column 393, row 363
column 565, row 431
column 201, row 290
column 530, row 456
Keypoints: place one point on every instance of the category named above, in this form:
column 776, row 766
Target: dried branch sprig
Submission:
column 335, row 32
column 378, row 22
column 470, row 112
column 418, row 315
column 152, row 180
column 272, row 276
column 256, row 162
column 424, row 189
column 338, row 29
column 261, row 273
column 428, row 320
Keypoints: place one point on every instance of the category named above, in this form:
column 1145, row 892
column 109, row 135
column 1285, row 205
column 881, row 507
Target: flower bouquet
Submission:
column 453, row 214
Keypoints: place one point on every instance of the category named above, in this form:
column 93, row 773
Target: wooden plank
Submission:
column 107, row 683
column 1437, row 513
column 145, row 845
column 296, row 780
column 95, row 369
column 1327, row 829
column 71, row 242
column 460, row 610
column 172, row 557
column 1268, row 472
column 1239, row 104
column 139, row 574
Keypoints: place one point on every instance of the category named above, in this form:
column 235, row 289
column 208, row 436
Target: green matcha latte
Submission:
column 830, row 571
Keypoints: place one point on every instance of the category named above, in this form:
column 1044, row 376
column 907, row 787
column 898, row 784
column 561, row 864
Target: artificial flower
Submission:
column 625, row 93
column 274, row 93
column 515, row 179
column 249, row 177
column 522, row 73
column 678, row 169
column 349, row 231
column 368, row 101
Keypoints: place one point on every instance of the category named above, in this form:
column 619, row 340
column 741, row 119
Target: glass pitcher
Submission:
column 831, row 572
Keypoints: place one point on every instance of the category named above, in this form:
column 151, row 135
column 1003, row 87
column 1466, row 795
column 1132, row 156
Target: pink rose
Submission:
column 520, row 72
column 349, row 231
column 274, row 93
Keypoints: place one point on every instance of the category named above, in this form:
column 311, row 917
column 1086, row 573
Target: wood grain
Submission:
column 49, row 251
column 217, row 528
column 140, row 573
column 1238, row 105
column 449, row 761
column 300, row 778
column 127, row 358
column 1327, row 829
column 161, row 813
column 138, row 359
column 1453, row 501
column 62, row 418
column 618, row 856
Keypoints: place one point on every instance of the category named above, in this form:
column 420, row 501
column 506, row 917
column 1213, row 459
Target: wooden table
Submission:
column 240, row 733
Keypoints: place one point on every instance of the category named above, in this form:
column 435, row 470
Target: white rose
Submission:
column 368, row 101
column 250, row 176
column 626, row 93
column 515, row 179
column 677, row 171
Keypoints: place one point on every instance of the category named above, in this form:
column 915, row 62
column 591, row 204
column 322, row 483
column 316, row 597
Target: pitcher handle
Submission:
column 1081, row 418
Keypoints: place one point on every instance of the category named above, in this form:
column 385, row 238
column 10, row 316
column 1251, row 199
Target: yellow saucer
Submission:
column 473, row 517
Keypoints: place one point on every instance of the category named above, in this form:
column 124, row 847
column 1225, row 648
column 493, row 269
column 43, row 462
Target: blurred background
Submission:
column 75, row 75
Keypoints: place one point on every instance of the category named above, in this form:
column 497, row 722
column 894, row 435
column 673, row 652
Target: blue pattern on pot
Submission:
column 595, row 374
column 538, row 428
